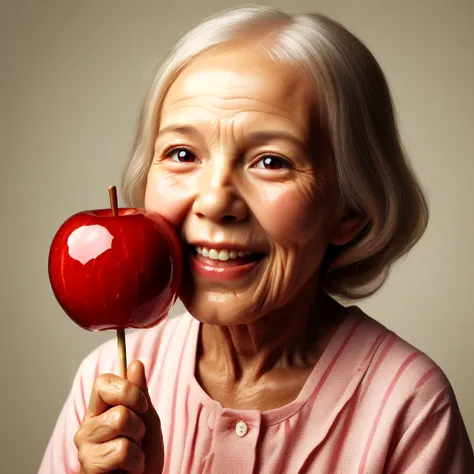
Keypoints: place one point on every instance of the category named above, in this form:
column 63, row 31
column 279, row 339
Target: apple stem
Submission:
column 122, row 350
column 113, row 200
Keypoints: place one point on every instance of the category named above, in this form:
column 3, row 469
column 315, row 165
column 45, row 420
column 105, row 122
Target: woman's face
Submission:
column 240, row 166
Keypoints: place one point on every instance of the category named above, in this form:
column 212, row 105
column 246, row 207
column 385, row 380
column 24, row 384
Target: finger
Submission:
column 136, row 375
column 152, row 443
column 118, row 421
column 119, row 453
column 110, row 390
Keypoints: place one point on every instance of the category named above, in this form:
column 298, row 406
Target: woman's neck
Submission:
column 290, row 339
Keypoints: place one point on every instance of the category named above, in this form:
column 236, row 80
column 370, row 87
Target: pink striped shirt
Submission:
column 372, row 404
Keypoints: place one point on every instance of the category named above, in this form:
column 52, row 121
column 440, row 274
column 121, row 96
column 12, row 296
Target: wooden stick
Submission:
column 122, row 348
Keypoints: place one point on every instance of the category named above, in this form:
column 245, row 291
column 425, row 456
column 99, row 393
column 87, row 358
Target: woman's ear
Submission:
column 347, row 228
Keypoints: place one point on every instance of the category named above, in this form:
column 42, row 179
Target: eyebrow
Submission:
column 254, row 137
column 181, row 129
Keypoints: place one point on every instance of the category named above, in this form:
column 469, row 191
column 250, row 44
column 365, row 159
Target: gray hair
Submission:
column 374, row 175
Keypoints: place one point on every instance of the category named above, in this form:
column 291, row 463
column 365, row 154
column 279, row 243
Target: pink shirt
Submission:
column 372, row 404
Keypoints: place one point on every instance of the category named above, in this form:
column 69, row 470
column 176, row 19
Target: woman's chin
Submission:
column 227, row 298
column 219, row 308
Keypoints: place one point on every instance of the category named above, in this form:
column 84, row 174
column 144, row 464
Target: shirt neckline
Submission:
column 316, row 378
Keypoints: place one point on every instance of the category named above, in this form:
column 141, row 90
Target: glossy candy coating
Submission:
column 111, row 272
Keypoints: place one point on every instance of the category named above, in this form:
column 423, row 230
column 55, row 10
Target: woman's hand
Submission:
column 121, row 429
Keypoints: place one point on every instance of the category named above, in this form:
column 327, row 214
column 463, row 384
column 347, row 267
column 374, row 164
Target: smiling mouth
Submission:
column 225, row 257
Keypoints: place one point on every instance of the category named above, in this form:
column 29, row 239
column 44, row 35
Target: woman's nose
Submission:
column 218, row 200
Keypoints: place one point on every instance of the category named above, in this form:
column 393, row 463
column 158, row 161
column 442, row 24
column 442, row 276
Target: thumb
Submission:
column 136, row 375
column 152, row 444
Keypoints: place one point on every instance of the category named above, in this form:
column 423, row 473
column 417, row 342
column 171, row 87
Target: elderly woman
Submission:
column 269, row 141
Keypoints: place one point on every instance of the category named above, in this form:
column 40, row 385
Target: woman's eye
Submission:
column 270, row 162
column 181, row 155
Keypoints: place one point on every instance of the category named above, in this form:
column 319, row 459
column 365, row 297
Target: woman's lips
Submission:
column 223, row 270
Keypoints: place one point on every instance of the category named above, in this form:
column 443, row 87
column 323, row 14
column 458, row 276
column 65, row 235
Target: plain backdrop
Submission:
column 73, row 76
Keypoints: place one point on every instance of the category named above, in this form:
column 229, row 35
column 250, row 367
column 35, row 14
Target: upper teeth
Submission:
column 221, row 254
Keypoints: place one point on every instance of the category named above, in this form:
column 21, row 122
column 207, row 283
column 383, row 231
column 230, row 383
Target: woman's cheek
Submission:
column 169, row 195
column 287, row 214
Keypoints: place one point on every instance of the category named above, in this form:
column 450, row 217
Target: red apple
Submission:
column 116, row 271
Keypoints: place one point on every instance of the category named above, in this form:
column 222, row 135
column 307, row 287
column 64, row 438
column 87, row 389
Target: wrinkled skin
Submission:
column 261, row 334
column 121, row 429
column 222, row 116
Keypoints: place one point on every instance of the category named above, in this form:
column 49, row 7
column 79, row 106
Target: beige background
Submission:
column 73, row 76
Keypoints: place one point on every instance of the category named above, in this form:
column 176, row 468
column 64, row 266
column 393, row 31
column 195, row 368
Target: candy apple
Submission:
column 115, row 269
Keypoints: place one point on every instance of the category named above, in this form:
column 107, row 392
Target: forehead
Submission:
column 243, row 79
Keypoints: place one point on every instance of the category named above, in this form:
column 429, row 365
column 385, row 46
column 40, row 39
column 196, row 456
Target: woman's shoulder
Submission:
column 404, row 396
column 395, row 369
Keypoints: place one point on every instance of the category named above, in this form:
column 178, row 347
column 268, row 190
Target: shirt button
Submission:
column 241, row 429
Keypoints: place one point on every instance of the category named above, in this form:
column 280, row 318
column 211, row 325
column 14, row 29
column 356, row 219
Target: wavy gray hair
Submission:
column 374, row 175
